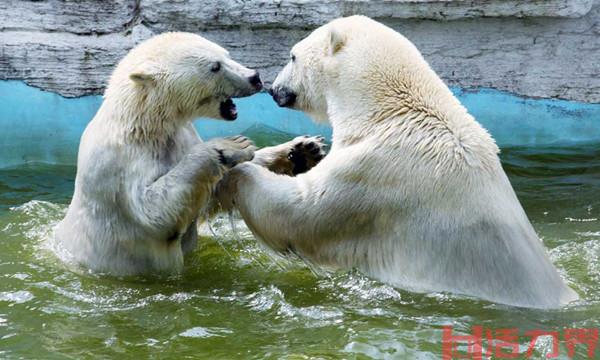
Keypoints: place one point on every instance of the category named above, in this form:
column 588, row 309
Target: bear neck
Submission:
column 391, row 112
column 139, row 120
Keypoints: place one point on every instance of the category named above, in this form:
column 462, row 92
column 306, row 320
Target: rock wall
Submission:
column 537, row 48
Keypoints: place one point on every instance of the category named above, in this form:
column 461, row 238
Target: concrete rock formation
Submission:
column 538, row 48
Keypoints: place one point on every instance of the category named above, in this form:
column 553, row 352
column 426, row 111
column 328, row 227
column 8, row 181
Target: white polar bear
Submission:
column 143, row 173
column 412, row 191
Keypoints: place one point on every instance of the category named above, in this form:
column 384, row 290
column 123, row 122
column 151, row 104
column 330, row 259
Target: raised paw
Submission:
column 233, row 150
column 306, row 152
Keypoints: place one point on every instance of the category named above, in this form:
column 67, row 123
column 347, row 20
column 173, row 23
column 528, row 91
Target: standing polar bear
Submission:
column 412, row 191
column 143, row 173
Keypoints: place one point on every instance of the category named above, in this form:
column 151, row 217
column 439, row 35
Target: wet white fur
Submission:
column 143, row 173
column 412, row 191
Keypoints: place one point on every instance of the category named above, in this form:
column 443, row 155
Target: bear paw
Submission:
column 306, row 152
column 233, row 150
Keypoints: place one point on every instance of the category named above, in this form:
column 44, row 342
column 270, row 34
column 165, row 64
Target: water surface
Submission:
column 234, row 301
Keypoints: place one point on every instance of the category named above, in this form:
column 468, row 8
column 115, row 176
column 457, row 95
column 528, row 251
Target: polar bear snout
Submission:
column 239, row 81
column 283, row 96
column 255, row 81
column 242, row 86
column 246, row 85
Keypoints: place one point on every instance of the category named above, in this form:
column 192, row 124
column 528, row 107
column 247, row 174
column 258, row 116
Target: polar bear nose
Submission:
column 255, row 81
column 283, row 96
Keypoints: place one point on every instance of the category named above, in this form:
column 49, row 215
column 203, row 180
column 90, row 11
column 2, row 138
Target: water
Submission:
column 233, row 301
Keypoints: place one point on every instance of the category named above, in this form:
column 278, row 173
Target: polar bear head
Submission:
column 178, row 77
column 356, row 64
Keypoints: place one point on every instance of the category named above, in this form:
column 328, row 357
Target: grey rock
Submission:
column 535, row 57
column 78, row 17
column 196, row 15
column 538, row 48
column 69, row 64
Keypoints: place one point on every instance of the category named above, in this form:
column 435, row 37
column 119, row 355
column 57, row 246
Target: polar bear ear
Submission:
column 337, row 40
column 144, row 74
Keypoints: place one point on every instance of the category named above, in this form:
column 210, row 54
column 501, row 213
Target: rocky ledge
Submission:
column 538, row 48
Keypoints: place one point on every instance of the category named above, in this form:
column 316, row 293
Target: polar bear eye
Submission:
column 215, row 67
column 293, row 58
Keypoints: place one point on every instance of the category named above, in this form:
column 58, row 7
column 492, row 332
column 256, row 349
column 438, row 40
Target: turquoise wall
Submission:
column 44, row 127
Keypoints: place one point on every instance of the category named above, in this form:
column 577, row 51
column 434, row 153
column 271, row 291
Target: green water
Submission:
column 233, row 301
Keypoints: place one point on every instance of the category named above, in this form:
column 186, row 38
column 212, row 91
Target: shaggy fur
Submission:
column 412, row 191
column 143, row 173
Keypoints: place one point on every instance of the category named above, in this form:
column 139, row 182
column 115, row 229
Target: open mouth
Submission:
column 228, row 110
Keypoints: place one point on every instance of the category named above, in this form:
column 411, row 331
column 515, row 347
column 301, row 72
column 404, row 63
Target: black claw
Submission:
column 299, row 161
column 222, row 159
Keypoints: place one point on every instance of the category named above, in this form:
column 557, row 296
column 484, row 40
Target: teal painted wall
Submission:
column 38, row 126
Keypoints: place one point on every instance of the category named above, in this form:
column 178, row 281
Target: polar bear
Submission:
column 412, row 191
column 143, row 173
